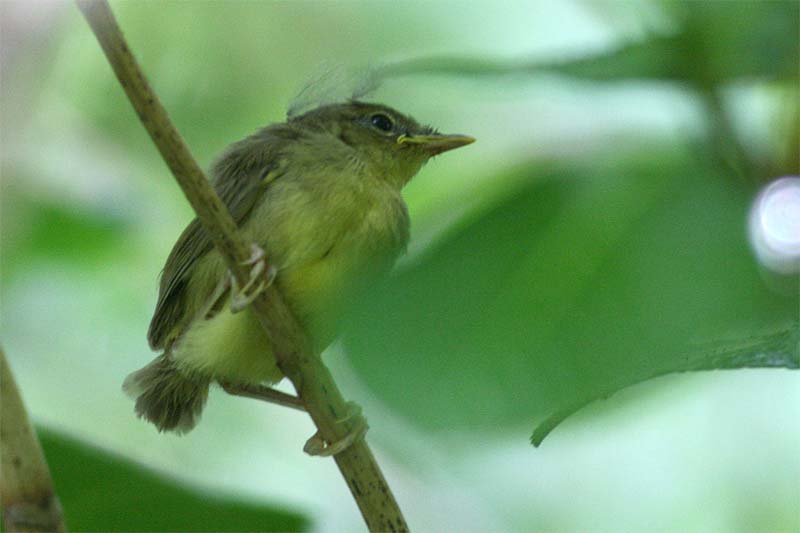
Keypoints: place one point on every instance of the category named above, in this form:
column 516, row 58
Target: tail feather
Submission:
column 166, row 396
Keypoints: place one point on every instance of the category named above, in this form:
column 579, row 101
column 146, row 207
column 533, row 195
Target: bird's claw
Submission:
column 256, row 284
column 318, row 446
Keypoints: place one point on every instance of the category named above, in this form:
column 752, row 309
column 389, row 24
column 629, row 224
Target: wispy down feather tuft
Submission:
column 333, row 84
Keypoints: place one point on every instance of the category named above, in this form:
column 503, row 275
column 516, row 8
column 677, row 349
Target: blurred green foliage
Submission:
column 82, row 237
column 714, row 43
column 104, row 492
column 598, row 272
column 588, row 278
column 581, row 246
column 705, row 43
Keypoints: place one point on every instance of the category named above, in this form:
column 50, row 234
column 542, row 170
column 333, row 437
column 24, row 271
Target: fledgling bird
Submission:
column 320, row 194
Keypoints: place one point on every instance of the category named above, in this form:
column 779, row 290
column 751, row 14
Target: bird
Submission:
column 319, row 197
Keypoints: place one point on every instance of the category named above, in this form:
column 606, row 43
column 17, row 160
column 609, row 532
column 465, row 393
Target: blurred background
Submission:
column 603, row 237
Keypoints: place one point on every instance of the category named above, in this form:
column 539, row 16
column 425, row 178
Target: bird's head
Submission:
column 393, row 145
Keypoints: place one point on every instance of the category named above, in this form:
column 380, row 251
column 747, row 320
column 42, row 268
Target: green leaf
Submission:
column 46, row 230
column 588, row 279
column 713, row 43
column 102, row 492
column 723, row 41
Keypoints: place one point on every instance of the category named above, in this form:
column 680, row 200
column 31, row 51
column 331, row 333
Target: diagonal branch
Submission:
column 298, row 362
column 27, row 498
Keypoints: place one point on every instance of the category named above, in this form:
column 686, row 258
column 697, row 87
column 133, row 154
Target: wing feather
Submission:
column 240, row 177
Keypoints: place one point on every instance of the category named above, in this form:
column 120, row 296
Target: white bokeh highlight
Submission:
column 775, row 225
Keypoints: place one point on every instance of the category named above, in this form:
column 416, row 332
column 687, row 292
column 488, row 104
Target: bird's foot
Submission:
column 261, row 277
column 318, row 446
column 260, row 392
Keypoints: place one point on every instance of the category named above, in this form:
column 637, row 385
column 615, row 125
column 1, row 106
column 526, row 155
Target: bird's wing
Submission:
column 241, row 177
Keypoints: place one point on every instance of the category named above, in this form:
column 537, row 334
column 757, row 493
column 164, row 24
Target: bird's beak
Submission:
column 438, row 143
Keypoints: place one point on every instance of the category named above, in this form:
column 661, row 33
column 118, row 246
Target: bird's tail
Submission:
column 167, row 396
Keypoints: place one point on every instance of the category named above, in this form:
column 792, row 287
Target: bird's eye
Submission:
column 382, row 122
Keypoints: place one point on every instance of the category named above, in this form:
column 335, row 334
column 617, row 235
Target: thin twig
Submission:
column 27, row 497
column 292, row 350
